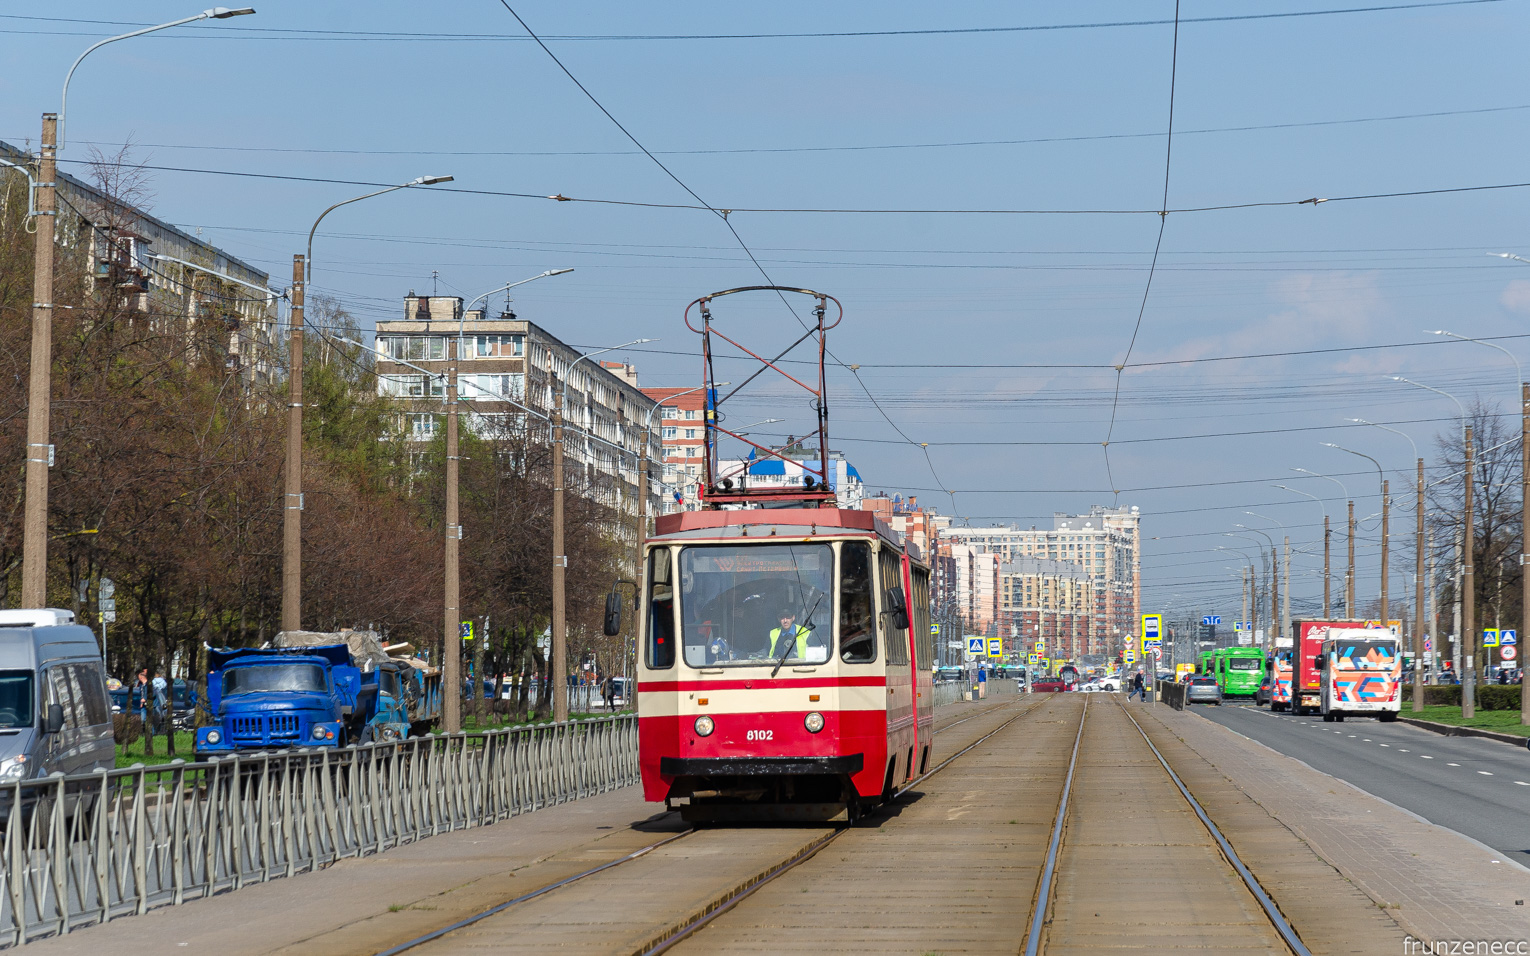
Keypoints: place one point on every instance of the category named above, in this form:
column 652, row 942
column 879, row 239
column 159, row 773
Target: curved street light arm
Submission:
column 1519, row 370
column 1431, row 388
column 1395, row 431
column 421, row 181
column 216, row 13
column 1329, row 477
column 1309, row 495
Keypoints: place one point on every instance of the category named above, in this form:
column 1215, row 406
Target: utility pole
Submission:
column 1326, row 576
column 1468, row 597
column 1285, row 594
column 1385, row 501
column 1524, row 546
column 292, row 500
column 1274, row 596
column 34, row 547
column 1243, row 593
column 451, row 631
column 1418, row 598
column 559, row 677
column 1349, row 577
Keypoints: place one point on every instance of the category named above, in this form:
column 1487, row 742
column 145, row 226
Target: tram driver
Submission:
column 791, row 632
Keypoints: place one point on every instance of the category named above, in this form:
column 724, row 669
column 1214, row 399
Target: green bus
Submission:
column 1238, row 670
column 1204, row 662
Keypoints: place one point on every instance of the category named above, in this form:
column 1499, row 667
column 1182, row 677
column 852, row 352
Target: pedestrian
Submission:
column 608, row 691
column 1138, row 687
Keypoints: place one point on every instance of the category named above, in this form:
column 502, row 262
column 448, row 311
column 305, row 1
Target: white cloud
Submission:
column 1516, row 296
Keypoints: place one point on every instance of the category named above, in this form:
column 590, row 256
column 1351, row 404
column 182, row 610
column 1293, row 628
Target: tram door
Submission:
column 902, row 728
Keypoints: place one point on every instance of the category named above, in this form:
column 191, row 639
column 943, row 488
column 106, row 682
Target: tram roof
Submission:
column 755, row 522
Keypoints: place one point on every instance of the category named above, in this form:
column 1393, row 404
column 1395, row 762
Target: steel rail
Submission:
column 1284, row 928
column 675, row 934
column 719, row 907
column 485, row 914
column 1049, row 870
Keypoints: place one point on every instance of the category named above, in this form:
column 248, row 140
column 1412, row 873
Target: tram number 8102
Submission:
column 760, row 735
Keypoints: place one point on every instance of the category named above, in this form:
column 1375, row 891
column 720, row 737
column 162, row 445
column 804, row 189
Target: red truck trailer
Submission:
column 1307, row 638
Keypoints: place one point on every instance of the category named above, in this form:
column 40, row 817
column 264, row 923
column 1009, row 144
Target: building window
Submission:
column 690, row 433
column 670, row 431
column 499, row 346
column 690, row 414
column 413, row 348
column 489, row 387
column 421, row 427
column 411, row 386
column 670, row 411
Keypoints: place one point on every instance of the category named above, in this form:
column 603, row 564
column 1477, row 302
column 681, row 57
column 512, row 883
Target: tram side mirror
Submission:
column 613, row 623
column 897, row 605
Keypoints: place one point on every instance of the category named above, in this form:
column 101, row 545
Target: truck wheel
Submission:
column 1388, row 717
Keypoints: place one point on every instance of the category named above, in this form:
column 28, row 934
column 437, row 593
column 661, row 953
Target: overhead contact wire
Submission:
column 1163, row 220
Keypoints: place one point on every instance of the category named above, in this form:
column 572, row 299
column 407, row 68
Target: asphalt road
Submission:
column 1471, row 785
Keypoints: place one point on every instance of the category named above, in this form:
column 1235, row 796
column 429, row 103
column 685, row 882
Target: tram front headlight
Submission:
column 814, row 722
column 704, row 726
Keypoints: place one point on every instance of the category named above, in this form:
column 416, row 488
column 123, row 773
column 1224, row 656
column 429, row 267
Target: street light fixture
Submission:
column 1386, row 505
column 1524, row 489
column 39, row 451
column 1349, row 574
column 292, row 499
column 1326, row 534
column 1284, row 601
column 1468, row 635
column 1418, row 562
column 560, row 559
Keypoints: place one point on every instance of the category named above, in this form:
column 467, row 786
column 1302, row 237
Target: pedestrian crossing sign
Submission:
column 1490, row 637
column 975, row 646
column 1034, row 660
column 467, row 630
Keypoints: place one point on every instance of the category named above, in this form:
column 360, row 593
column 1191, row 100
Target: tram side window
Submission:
column 857, row 635
column 661, row 613
column 920, row 601
column 890, row 564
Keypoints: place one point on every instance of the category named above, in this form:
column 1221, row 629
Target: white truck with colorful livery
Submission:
column 1360, row 674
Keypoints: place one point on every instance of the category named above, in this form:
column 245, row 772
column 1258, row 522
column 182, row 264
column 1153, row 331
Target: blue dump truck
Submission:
column 397, row 700
column 281, row 697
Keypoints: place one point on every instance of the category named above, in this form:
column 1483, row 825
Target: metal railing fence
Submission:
column 949, row 692
column 89, row 848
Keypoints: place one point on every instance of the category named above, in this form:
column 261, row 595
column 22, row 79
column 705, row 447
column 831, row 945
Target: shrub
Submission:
column 1489, row 696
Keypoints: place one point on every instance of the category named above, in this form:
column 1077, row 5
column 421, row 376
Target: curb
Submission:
column 1450, row 730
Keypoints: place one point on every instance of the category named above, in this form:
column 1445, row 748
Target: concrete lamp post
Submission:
column 44, row 207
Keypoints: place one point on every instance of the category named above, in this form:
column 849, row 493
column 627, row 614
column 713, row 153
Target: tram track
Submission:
column 1044, row 925
column 684, row 928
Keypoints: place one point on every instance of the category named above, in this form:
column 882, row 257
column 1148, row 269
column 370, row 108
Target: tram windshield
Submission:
column 756, row 605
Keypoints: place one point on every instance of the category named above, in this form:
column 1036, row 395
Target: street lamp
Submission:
column 1418, row 562
column 1524, row 491
column 1385, row 509
column 1285, row 581
column 507, row 288
column 560, row 559
column 39, row 454
column 1274, row 574
column 1468, row 588
column 1349, row 575
column 292, row 499
column 1325, row 541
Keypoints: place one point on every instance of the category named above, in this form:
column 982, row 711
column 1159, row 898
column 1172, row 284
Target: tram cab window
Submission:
column 756, row 604
column 857, row 633
column 661, row 610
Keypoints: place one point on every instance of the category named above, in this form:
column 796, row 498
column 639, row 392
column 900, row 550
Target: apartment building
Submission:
column 1105, row 543
column 1051, row 601
column 681, row 428
column 224, row 305
column 769, row 472
column 921, row 529
column 505, row 374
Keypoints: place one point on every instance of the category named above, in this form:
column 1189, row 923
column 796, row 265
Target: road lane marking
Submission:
column 1486, row 773
column 1452, row 765
column 1388, row 745
column 1522, row 783
column 1426, row 756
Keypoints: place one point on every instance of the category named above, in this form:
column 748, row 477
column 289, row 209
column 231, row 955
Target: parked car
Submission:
column 1266, row 689
column 1049, row 685
column 1110, row 683
column 1203, row 690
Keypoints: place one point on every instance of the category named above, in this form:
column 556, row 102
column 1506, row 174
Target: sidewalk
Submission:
column 1433, row 882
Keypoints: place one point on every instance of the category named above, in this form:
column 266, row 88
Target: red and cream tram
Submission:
column 784, row 666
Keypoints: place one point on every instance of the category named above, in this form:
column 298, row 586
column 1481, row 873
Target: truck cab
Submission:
column 264, row 698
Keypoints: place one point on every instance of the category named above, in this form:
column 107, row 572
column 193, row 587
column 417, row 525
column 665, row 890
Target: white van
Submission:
column 55, row 714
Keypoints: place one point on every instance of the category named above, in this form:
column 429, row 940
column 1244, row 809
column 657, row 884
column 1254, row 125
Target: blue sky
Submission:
column 1055, row 119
